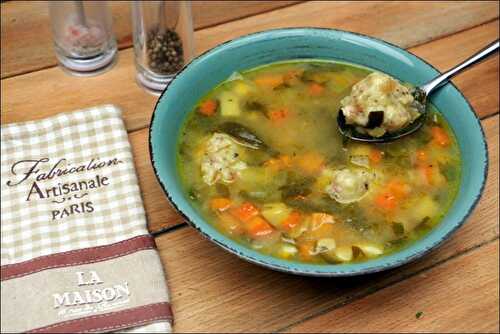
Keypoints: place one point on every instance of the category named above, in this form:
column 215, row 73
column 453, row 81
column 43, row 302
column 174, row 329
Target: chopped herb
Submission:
column 282, row 86
column 397, row 243
column 252, row 105
column 194, row 195
column 242, row 135
column 398, row 229
column 449, row 171
column 222, row 190
column 296, row 186
column 419, row 314
column 425, row 221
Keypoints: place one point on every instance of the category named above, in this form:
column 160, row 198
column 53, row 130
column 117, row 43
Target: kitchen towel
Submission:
column 76, row 255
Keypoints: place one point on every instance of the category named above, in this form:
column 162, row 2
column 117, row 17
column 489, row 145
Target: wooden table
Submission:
column 455, row 287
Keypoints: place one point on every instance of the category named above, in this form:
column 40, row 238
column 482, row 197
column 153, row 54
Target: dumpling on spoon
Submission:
column 379, row 104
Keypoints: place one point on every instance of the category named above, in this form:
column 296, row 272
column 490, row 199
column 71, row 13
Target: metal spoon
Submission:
column 420, row 94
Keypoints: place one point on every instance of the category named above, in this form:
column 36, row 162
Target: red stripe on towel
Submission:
column 77, row 257
column 112, row 321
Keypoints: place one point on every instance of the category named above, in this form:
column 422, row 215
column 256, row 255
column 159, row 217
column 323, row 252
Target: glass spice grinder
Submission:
column 83, row 38
column 163, row 41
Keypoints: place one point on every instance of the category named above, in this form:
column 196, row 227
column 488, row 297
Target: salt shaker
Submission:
column 83, row 38
column 163, row 41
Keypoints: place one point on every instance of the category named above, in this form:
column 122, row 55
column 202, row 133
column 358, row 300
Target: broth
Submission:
column 262, row 160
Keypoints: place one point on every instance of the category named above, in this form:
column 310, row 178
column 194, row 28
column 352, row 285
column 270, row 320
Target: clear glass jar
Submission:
column 163, row 41
column 83, row 38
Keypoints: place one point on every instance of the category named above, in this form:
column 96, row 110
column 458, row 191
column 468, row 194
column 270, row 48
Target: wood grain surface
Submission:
column 26, row 28
column 404, row 24
column 455, row 286
column 439, row 297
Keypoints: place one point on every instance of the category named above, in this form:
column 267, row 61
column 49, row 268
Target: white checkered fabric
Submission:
column 86, row 138
column 28, row 229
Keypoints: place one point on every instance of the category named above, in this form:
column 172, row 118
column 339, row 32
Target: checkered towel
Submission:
column 75, row 251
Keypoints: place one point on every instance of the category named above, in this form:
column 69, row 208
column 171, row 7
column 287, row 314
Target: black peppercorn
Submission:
column 164, row 51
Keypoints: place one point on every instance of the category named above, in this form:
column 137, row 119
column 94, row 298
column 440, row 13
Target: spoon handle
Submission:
column 443, row 78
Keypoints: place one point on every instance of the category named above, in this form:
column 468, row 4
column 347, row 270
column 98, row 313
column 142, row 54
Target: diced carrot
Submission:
column 220, row 204
column 285, row 160
column 440, row 136
column 316, row 89
column 258, row 227
column 245, row 212
column 321, row 225
column 398, row 188
column 299, row 198
column 230, row 224
column 421, row 157
column 321, row 218
column 426, row 169
column 375, row 156
column 386, row 201
column 278, row 115
column 279, row 163
column 292, row 75
column 291, row 221
column 428, row 173
column 269, row 81
column 306, row 249
column 208, row 107
column 273, row 164
column 310, row 163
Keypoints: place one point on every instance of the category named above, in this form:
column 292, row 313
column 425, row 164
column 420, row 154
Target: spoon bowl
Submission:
column 420, row 95
column 349, row 131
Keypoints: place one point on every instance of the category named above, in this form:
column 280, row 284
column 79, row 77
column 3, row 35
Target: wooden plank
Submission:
column 210, row 13
column 26, row 28
column 460, row 296
column 52, row 91
column 405, row 25
column 214, row 291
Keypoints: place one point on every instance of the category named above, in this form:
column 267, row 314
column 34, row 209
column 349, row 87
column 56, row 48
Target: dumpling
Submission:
column 349, row 185
column 221, row 160
column 379, row 93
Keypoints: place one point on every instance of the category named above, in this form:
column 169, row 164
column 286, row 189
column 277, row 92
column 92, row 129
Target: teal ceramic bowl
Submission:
column 217, row 64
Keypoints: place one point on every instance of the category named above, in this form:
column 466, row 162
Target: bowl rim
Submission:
column 290, row 269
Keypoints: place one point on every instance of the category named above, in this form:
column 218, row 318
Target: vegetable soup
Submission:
column 262, row 159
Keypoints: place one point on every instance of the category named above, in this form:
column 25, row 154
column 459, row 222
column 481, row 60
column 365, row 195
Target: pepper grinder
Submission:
column 163, row 41
column 83, row 38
